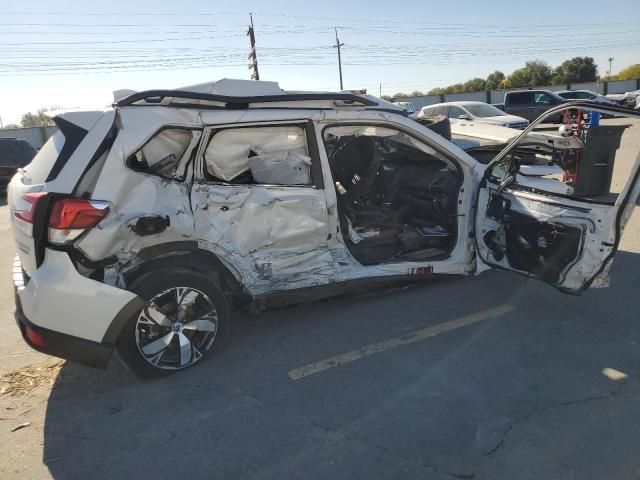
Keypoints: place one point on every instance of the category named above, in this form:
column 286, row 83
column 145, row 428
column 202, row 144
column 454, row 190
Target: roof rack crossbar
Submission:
column 156, row 96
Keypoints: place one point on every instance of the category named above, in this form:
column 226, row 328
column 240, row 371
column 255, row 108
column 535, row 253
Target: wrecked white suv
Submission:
column 142, row 227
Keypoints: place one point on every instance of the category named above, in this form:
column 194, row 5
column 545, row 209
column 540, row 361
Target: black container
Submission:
column 595, row 167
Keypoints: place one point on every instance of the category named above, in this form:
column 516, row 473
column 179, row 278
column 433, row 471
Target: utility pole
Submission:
column 338, row 45
column 380, row 90
column 252, row 55
column 610, row 67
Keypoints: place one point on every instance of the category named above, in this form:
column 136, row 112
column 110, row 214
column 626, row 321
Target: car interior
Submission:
column 397, row 198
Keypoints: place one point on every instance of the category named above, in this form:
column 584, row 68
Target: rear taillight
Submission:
column 70, row 217
column 30, row 200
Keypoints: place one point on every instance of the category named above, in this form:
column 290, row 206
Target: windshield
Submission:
column 483, row 110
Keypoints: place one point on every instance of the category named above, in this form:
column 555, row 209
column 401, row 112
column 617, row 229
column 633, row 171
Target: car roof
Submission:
column 461, row 103
column 246, row 94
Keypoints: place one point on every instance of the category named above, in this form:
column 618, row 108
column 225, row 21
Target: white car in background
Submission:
column 627, row 99
column 479, row 112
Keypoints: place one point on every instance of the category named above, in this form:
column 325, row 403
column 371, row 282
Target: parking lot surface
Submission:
column 491, row 377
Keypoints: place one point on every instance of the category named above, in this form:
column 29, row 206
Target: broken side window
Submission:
column 273, row 155
column 397, row 196
column 161, row 155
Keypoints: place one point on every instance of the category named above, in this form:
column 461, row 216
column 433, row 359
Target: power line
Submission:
column 385, row 21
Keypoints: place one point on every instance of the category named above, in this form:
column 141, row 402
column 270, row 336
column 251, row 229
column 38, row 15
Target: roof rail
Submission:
column 158, row 96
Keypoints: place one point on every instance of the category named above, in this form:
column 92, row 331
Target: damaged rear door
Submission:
column 259, row 204
column 562, row 228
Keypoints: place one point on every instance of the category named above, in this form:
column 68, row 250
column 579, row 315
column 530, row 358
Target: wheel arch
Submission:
column 188, row 254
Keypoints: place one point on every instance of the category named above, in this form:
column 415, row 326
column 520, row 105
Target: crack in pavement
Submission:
column 468, row 475
column 539, row 411
column 342, row 435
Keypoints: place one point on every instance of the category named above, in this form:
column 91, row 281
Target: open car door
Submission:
column 563, row 227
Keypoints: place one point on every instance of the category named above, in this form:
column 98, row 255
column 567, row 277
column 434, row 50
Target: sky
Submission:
column 74, row 54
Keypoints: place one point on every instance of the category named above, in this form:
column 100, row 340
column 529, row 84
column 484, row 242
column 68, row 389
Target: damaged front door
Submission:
column 563, row 228
column 259, row 204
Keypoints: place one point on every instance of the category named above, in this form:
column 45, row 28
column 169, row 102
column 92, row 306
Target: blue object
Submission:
column 594, row 119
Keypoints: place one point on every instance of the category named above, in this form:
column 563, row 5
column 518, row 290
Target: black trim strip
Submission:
column 157, row 96
column 314, row 152
column 105, row 145
column 73, row 136
column 124, row 315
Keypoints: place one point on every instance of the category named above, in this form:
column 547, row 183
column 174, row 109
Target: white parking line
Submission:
column 353, row 355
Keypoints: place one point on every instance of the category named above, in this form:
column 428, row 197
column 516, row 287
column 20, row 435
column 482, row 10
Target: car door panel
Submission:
column 562, row 243
column 275, row 236
column 564, row 240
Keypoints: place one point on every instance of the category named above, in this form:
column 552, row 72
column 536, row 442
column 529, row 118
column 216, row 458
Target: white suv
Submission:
column 144, row 226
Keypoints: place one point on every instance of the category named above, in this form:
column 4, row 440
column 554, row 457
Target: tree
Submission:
column 534, row 73
column 495, row 80
column 475, row 85
column 399, row 96
column 518, row 78
column 38, row 119
column 574, row 70
column 417, row 93
column 455, row 88
column 630, row 73
column 11, row 125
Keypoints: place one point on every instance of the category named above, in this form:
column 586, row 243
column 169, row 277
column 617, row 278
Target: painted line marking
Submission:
column 353, row 355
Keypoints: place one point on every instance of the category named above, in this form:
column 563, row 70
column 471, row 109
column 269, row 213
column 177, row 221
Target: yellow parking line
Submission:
column 353, row 355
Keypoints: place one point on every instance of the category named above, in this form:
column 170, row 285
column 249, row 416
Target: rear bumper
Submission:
column 65, row 314
column 60, row 345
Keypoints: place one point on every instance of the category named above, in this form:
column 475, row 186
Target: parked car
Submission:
column 14, row 153
column 478, row 112
column 408, row 107
column 530, row 104
column 140, row 228
column 627, row 100
column 586, row 95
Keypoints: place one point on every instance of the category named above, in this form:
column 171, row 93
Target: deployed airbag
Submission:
column 274, row 155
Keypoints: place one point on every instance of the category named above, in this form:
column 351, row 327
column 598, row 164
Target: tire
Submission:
column 186, row 318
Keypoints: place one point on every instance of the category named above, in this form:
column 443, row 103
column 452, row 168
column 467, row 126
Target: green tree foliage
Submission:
column 11, row 125
column 436, row 91
column 475, row 85
column 495, row 79
column 629, row 73
column 574, row 70
column 38, row 119
column 534, row 73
